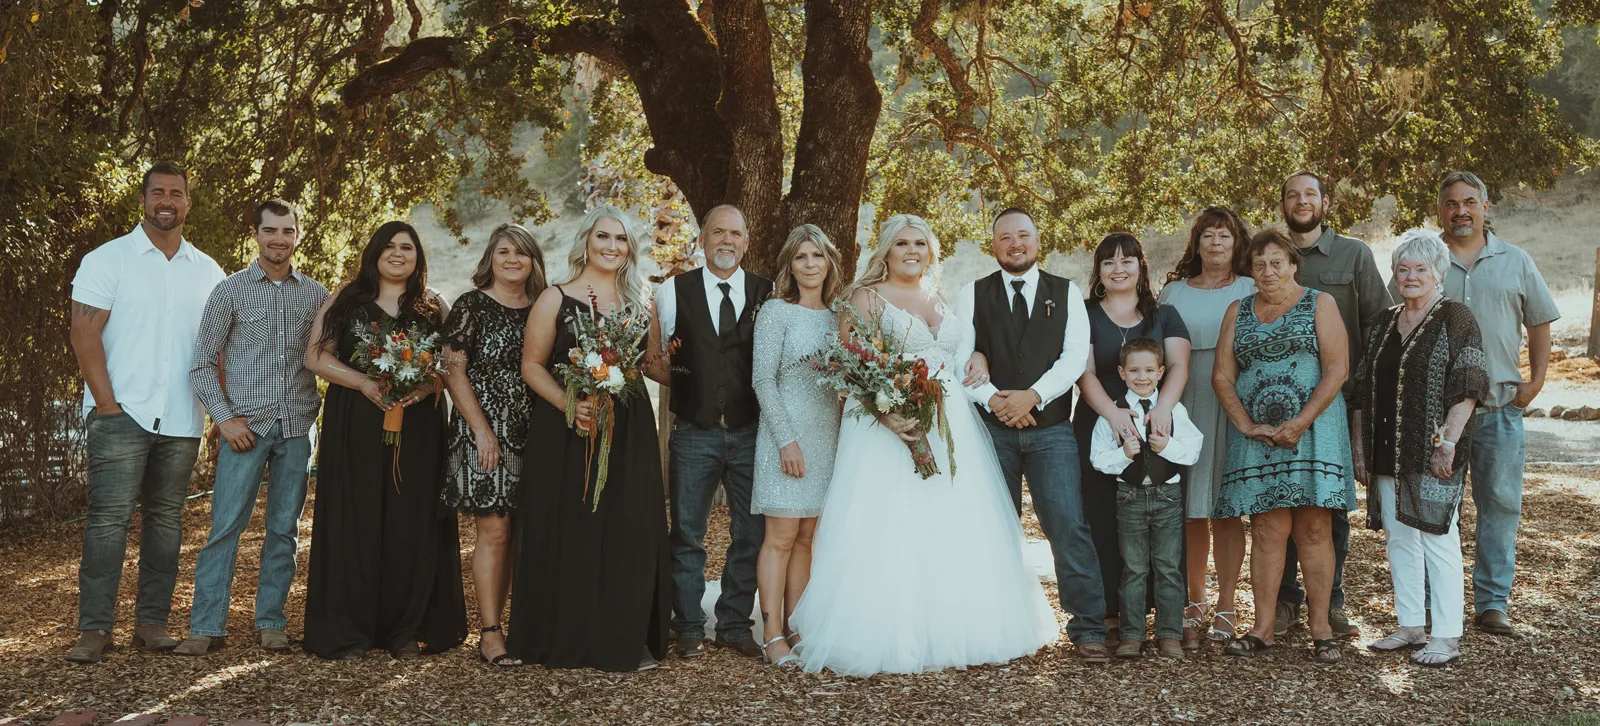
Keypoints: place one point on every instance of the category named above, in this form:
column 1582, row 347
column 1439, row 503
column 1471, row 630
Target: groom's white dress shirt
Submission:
column 1055, row 382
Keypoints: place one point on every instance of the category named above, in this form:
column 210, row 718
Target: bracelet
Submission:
column 1447, row 442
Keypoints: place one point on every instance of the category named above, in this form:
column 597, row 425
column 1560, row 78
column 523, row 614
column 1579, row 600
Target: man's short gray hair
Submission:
column 1463, row 177
column 1425, row 246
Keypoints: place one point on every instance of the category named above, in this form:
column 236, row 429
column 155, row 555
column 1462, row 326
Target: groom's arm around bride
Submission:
column 1032, row 328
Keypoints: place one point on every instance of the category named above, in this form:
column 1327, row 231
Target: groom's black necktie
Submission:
column 1019, row 308
column 727, row 320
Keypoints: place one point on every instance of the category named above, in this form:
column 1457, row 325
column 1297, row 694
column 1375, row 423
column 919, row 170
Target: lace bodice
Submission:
column 938, row 348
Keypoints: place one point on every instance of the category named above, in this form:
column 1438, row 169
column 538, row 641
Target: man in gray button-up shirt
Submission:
column 249, row 373
column 1505, row 292
column 1342, row 267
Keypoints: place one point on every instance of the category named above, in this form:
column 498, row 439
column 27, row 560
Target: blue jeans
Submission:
column 232, row 504
column 1048, row 457
column 701, row 458
column 1150, row 535
column 1499, row 450
column 1290, row 591
column 129, row 466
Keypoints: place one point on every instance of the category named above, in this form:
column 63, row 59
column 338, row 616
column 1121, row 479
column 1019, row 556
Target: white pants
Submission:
column 1412, row 553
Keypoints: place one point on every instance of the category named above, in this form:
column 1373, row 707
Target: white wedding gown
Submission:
column 909, row 574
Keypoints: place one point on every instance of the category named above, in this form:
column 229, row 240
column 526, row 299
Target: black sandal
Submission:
column 504, row 660
column 1248, row 645
column 1327, row 650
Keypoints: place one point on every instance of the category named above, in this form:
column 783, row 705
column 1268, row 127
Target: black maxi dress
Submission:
column 590, row 589
column 1100, row 490
column 385, row 554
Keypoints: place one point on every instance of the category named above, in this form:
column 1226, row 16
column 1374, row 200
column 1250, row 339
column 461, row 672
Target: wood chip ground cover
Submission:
column 1552, row 668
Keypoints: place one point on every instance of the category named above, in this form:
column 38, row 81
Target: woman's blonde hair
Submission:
column 785, row 287
column 522, row 239
column 878, row 265
column 631, row 288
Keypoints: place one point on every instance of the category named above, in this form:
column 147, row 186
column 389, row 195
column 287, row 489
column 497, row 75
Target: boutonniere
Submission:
column 1049, row 307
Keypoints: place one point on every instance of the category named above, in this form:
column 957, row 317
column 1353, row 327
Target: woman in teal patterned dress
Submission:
column 1281, row 359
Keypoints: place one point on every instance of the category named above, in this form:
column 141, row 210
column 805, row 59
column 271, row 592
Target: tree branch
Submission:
column 425, row 56
column 922, row 31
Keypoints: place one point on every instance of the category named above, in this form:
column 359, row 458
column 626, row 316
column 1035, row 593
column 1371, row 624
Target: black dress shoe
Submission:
column 746, row 646
column 1495, row 622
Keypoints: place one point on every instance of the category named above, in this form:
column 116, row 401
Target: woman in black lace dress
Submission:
column 483, row 339
column 385, row 556
column 591, row 583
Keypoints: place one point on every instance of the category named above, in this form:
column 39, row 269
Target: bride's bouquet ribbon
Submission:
column 873, row 367
column 603, row 371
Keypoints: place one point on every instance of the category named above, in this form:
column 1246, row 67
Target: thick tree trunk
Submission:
column 841, row 110
column 749, row 108
column 716, row 134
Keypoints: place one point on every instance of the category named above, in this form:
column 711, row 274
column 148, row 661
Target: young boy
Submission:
column 1148, row 466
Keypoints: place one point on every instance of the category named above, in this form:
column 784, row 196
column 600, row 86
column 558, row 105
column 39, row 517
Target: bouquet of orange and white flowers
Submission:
column 873, row 368
column 401, row 361
column 603, row 369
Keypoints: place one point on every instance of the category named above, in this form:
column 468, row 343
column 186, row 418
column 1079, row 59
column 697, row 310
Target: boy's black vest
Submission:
column 1148, row 463
column 1017, row 358
column 711, row 372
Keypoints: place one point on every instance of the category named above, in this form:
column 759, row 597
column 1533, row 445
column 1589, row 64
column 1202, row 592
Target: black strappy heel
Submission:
column 504, row 660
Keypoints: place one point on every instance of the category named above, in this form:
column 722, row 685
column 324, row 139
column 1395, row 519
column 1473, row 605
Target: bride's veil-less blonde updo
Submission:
column 878, row 264
column 631, row 289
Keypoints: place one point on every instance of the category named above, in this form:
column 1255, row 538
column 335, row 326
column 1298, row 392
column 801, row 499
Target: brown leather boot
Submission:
column 92, row 646
column 199, row 645
column 1169, row 647
column 153, row 637
column 1130, row 648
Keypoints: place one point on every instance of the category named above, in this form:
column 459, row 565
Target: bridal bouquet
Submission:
column 603, row 369
column 401, row 361
column 873, row 367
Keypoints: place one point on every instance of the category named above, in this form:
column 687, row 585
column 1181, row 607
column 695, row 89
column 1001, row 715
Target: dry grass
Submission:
column 1552, row 669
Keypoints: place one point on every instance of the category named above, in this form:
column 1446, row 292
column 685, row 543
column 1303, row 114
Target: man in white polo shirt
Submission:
column 136, row 305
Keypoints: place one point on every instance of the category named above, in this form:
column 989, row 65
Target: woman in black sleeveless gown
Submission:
column 385, row 556
column 1131, row 295
column 590, row 588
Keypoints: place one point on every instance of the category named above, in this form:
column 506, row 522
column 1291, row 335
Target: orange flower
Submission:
column 406, row 354
column 601, row 373
column 427, row 358
column 574, row 356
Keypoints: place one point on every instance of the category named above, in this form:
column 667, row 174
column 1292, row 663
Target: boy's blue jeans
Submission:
column 1150, row 535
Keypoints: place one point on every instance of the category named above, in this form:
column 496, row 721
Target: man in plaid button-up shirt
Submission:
column 249, row 373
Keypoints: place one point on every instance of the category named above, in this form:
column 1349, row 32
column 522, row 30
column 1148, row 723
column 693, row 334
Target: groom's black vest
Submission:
column 1017, row 358
column 711, row 372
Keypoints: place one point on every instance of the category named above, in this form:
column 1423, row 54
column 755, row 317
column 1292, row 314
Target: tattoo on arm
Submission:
column 85, row 310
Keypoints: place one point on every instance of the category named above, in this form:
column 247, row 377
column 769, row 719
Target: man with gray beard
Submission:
column 705, row 319
column 1499, row 283
column 1342, row 267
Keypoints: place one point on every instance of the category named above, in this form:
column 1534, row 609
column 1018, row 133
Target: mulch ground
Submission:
column 1551, row 668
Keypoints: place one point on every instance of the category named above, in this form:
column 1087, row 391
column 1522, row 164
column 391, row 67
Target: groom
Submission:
column 1033, row 329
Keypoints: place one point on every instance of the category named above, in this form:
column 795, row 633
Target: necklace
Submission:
column 1411, row 321
column 1226, row 281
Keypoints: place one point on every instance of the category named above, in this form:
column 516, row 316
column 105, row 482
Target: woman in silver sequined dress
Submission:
column 799, row 426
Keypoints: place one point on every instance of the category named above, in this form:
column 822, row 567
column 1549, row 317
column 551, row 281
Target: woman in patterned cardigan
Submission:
column 1416, row 388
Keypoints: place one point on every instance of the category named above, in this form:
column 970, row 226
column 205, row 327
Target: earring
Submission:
column 1098, row 290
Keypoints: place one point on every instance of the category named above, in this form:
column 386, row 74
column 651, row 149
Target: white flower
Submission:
column 615, row 380
column 883, row 402
column 593, row 360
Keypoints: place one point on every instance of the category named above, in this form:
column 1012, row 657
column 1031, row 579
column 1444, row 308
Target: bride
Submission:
column 910, row 574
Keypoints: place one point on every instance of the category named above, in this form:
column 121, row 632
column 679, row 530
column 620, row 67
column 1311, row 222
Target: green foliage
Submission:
column 1127, row 115
column 1095, row 115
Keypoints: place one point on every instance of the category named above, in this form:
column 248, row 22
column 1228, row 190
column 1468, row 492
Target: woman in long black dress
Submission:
column 385, row 555
column 591, row 588
column 1121, row 307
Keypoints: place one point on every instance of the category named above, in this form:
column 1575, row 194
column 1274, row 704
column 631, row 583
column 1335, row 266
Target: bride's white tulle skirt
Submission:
column 910, row 575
